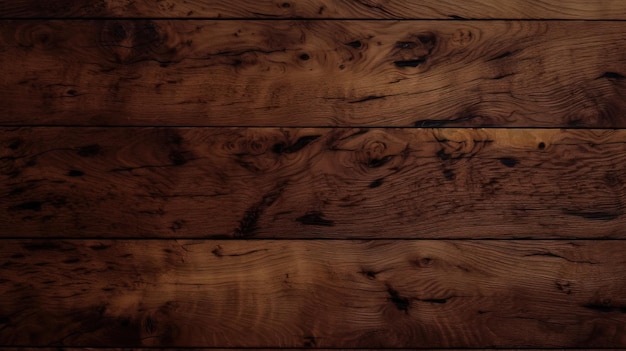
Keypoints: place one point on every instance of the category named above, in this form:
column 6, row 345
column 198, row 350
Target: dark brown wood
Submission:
column 440, row 9
column 313, row 73
column 122, row 183
column 312, row 183
column 313, row 293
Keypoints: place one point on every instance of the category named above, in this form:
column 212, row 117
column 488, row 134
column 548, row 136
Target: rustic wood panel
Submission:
column 440, row 9
column 314, row 293
column 312, row 183
column 313, row 73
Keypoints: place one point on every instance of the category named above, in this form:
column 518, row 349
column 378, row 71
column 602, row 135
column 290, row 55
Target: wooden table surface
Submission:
column 376, row 174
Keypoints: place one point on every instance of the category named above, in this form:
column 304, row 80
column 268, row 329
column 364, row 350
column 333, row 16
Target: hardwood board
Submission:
column 234, row 293
column 312, row 183
column 422, row 9
column 313, row 73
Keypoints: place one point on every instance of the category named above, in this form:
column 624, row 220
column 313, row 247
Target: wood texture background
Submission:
column 313, row 183
column 312, row 174
column 352, row 73
column 315, row 293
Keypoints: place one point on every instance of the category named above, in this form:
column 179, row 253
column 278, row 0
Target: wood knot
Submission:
column 376, row 147
column 381, row 150
column 133, row 41
column 415, row 50
column 249, row 145
column 375, row 154
column 116, row 32
column 464, row 37
column 15, row 143
column 354, row 44
column 423, row 262
column 39, row 35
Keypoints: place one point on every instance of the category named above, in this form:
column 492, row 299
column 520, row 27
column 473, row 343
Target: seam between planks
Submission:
column 450, row 19
column 86, row 126
column 168, row 238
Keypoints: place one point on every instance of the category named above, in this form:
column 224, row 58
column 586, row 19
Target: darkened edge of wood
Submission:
column 175, row 239
column 184, row 126
column 20, row 348
column 295, row 18
column 59, row 348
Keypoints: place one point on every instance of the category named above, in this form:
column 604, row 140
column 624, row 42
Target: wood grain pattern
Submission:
column 208, row 174
column 313, row 73
column 312, row 183
column 314, row 293
column 440, row 9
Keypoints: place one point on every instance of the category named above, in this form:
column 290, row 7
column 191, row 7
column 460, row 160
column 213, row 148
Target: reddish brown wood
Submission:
column 312, row 183
column 440, row 9
column 313, row 73
column 376, row 294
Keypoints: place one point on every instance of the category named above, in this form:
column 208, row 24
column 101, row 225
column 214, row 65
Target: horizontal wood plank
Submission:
column 359, row 9
column 313, row 293
column 313, row 73
column 312, row 183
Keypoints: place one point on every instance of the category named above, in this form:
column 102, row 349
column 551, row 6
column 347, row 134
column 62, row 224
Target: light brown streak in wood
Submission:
column 312, row 183
column 314, row 293
column 313, row 73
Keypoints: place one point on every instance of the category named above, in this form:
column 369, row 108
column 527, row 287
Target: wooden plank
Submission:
column 313, row 73
column 312, row 183
column 362, row 9
column 318, row 293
